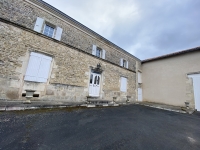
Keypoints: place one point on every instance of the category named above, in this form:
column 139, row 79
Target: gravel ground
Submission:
column 118, row 128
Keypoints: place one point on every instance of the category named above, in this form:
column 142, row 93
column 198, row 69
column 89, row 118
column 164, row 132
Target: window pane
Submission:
column 91, row 78
column 48, row 31
column 95, row 80
column 98, row 80
column 124, row 63
column 98, row 53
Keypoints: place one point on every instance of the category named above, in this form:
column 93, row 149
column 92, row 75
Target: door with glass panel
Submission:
column 94, row 88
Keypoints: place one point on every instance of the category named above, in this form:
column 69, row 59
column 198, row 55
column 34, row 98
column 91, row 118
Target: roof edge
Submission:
column 81, row 26
column 172, row 54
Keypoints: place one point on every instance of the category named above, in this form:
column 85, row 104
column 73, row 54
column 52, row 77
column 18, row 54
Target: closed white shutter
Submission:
column 38, row 68
column 127, row 64
column 33, row 67
column 38, row 24
column 58, row 33
column 139, row 77
column 103, row 54
column 139, row 94
column 121, row 62
column 94, row 47
column 44, row 68
column 123, row 84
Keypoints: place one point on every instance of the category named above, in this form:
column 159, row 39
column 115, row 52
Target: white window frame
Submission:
column 46, row 24
column 100, row 50
column 122, row 63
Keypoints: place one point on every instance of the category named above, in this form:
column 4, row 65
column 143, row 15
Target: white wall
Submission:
column 164, row 80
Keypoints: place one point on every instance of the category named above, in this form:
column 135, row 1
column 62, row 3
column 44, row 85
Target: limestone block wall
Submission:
column 69, row 74
column 25, row 12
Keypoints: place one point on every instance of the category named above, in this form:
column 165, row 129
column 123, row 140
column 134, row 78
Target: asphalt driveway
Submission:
column 118, row 128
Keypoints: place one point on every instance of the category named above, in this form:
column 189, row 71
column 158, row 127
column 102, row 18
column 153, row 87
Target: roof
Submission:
column 78, row 24
column 172, row 54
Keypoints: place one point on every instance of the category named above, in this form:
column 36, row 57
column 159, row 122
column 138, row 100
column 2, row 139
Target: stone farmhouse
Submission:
column 44, row 51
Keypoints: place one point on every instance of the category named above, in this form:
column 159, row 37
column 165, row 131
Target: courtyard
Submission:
column 118, row 128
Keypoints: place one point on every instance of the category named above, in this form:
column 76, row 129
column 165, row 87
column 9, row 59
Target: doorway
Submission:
column 94, row 87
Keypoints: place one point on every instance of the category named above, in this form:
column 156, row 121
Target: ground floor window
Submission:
column 38, row 67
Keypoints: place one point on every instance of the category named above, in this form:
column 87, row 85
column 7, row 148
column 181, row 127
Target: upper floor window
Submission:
column 124, row 63
column 47, row 29
column 101, row 53
column 98, row 52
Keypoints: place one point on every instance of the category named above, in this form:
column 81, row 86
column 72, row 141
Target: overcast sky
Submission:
column 144, row 28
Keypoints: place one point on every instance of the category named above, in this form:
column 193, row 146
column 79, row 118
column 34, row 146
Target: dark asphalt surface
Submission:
column 117, row 128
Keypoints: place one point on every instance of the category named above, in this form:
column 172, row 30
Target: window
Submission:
column 101, row 53
column 38, row 67
column 124, row 63
column 98, row 52
column 123, row 87
column 47, row 29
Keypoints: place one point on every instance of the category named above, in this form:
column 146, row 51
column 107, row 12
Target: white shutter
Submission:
column 94, row 50
column 127, row 64
column 38, row 24
column 44, row 68
column 139, row 94
column 33, row 67
column 123, row 84
column 139, row 77
column 58, row 33
column 103, row 54
column 121, row 62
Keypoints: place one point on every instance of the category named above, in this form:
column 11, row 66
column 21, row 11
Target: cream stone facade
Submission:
column 166, row 79
column 45, row 51
column 69, row 57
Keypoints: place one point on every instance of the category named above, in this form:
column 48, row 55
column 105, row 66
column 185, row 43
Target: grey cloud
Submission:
column 150, row 29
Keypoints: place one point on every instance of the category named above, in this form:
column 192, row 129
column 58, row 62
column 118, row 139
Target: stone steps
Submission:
column 96, row 102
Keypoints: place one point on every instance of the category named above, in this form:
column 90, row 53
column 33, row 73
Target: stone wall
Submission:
column 70, row 71
column 190, row 92
column 24, row 13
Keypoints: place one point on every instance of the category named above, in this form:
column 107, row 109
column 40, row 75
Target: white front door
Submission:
column 139, row 94
column 94, row 88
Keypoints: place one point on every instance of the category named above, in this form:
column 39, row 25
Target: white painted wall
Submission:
column 164, row 80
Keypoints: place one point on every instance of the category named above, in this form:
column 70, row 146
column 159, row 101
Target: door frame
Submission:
column 101, row 82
